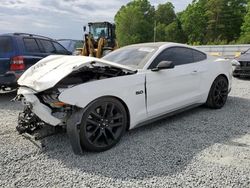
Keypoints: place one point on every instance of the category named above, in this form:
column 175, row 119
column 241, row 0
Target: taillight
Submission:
column 17, row 63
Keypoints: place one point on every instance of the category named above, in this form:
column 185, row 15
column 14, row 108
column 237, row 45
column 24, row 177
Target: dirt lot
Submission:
column 198, row 148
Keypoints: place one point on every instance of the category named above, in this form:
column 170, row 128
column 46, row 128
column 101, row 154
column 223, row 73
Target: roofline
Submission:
column 26, row 34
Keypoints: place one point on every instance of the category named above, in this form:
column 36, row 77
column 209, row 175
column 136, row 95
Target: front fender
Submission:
column 124, row 87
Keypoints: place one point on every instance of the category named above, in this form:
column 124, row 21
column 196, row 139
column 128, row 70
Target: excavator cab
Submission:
column 100, row 39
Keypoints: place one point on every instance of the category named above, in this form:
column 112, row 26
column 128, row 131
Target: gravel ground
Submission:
column 198, row 148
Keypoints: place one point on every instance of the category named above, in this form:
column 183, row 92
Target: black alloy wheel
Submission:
column 218, row 93
column 103, row 124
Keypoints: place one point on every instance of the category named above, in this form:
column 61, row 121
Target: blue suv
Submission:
column 19, row 51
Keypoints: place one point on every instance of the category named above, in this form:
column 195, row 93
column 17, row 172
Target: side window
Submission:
column 181, row 56
column 178, row 55
column 6, row 45
column 31, row 45
column 48, row 46
column 199, row 56
column 60, row 49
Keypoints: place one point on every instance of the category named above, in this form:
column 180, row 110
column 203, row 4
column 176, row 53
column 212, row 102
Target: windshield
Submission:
column 135, row 57
column 98, row 30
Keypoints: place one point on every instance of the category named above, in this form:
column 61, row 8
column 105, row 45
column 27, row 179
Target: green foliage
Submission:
column 165, row 14
column 167, row 28
column 160, row 32
column 202, row 22
column 174, row 32
column 134, row 23
column 225, row 18
column 245, row 34
column 168, row 25
column 194, row 22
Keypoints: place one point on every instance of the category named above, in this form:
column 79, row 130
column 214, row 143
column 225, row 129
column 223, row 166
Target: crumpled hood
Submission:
column 49, row 71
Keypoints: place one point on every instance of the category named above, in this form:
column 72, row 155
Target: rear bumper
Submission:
column 9, row 79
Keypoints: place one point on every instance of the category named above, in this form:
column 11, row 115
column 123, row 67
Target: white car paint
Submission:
column 167, row 90
column 123, row 88
column 49, row 71
column 179, row 88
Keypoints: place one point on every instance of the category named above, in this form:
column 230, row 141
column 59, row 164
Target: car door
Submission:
column 171, row 89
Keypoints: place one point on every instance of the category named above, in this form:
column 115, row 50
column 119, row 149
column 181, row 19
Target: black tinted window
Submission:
column 31, row 45
column 178, row 55
column 199, row 56
column 59, row 48
column 47, row 46
column 5, row 45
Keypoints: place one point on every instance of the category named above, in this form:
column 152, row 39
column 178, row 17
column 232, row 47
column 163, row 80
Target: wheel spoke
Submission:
column 112, row 125
column 217, row 87
column 111, row 110
column 97, row 137
column 92, row 122
column 92, row 133
column 96, row 115
column 106, row 137
column 111, row 133
column 104, row 109
column 118, row 116
column 223, row 98
column 216, row 99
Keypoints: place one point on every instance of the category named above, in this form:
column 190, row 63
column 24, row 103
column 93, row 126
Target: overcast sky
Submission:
column 61, row 18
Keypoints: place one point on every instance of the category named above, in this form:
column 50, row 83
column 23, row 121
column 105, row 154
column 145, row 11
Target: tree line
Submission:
column 202, row 22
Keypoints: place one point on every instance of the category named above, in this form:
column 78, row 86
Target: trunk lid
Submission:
column 50, row 70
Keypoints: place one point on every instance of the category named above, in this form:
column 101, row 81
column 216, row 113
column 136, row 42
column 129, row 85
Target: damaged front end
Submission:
column 44, row 114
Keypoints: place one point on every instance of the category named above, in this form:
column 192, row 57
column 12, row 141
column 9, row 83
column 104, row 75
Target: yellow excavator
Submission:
column 100, row 40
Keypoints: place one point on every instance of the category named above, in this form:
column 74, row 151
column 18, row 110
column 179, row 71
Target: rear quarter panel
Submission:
column 211, row 69
column 123, row 88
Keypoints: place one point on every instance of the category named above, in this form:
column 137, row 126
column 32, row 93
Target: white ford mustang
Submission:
column 97, row 100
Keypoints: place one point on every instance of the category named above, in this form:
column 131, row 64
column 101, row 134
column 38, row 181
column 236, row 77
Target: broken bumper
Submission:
column 30, row 100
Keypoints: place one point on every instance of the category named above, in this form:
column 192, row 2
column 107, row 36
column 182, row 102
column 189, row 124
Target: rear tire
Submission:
column 218, row 93
column 103, row 124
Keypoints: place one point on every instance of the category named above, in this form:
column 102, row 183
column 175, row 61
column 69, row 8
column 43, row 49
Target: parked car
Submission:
column 97, row 100
column 19, row 51
column 243, row 69
column 72, row 45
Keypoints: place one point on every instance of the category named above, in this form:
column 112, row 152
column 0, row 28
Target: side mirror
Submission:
column 164, row 65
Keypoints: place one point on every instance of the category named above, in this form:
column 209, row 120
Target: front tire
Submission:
column 218, row 93
column 103, row 124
